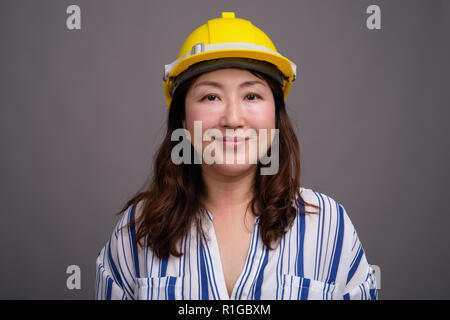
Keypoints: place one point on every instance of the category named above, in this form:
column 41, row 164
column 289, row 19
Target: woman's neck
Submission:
column 227, row 195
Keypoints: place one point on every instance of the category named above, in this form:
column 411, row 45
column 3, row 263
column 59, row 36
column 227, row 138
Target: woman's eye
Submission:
column 253, row 96
column 209, row 97
column 212, row 97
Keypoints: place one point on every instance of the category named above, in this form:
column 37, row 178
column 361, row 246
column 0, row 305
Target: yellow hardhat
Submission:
column 227, row 42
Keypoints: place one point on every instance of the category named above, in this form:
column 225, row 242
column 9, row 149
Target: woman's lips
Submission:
column 234, row 141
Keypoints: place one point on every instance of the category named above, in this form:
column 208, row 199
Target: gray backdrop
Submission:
column 82, row 113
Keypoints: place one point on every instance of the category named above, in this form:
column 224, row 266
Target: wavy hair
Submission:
column 171, row 197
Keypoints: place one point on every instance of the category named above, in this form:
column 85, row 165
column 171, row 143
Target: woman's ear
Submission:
column 184, row 124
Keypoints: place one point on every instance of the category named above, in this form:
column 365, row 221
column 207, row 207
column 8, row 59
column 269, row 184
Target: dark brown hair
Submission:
column 171, row 199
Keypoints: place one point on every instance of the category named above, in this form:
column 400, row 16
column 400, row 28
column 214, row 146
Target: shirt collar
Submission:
column 210, row 216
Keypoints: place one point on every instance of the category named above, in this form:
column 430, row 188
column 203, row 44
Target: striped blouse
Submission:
column 320, row 257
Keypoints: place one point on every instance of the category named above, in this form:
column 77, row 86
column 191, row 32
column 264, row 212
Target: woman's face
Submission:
column 233, row 106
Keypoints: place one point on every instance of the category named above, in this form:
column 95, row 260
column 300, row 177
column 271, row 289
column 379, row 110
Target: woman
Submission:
column 209, row 228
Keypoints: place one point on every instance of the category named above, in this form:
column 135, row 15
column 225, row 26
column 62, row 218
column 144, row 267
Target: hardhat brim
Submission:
column 214, row 64
column 281, row 63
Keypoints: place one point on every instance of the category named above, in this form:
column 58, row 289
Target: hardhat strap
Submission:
column 201, row 47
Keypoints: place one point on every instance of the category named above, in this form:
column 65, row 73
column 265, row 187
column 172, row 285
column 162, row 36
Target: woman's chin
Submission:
column 233, row 169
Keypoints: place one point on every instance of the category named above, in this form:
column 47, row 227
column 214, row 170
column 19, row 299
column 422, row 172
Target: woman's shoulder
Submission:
column 126, row 224
column 327, row 206
column 317, row 198
column 329, row 218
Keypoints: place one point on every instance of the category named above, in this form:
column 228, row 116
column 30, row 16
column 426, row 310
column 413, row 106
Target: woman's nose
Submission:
column 233, row 115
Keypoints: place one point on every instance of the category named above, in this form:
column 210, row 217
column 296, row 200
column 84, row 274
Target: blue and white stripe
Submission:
column 320, row 257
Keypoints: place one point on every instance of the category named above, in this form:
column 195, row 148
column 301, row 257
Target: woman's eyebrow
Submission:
column 251, row 83
column 218, row 85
